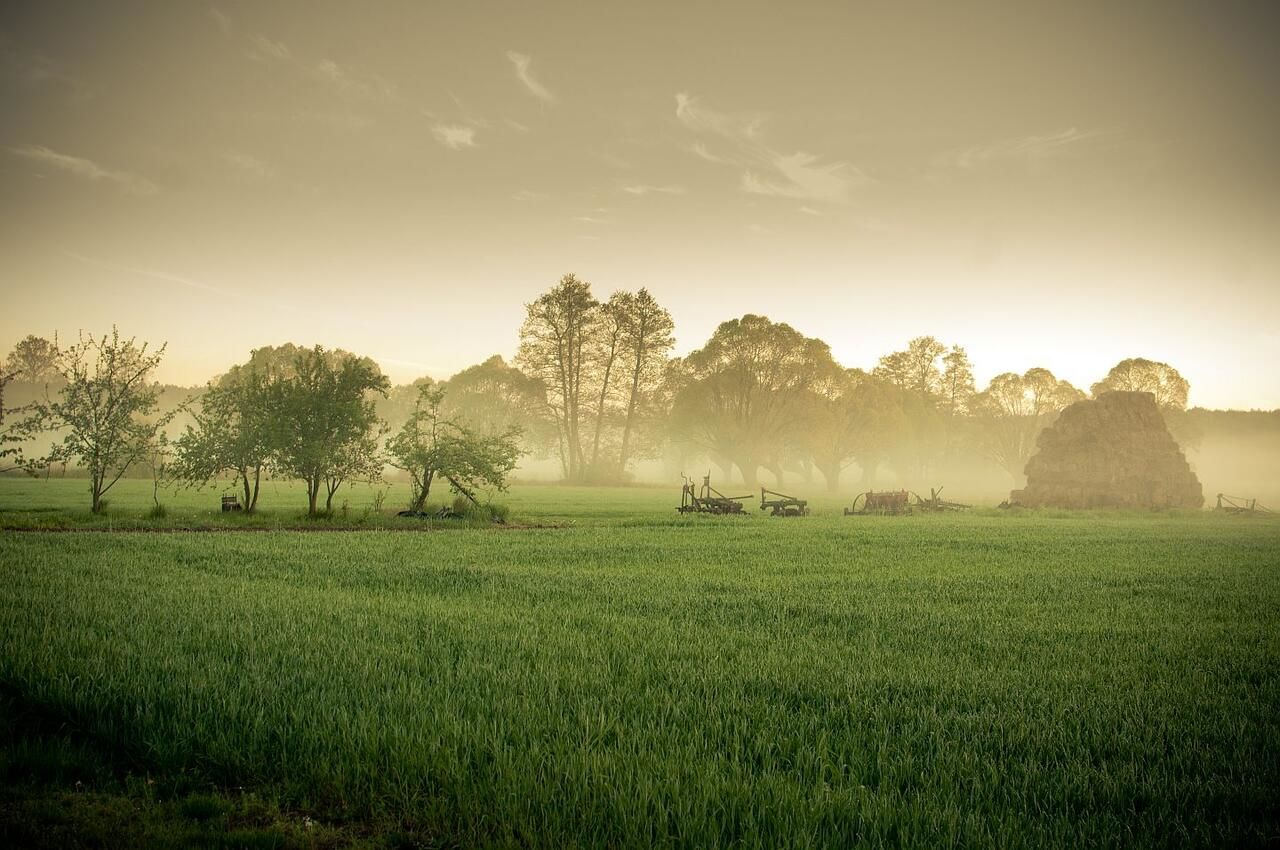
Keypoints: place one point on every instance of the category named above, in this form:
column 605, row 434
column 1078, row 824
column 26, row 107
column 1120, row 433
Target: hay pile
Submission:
column 1110, row 452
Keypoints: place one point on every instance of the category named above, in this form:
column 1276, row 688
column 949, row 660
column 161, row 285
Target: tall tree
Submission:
column 554, row 348
column 34, row 360
column 916, row 368
column 647, row 340
column 326, row 427
column 745, row 390
column 854, row 418
column 1140, row 375
column 1014, row 409
column 429, row 445
column 957, row 387
column 495, row 398
column 106, row 408
column 606, row 348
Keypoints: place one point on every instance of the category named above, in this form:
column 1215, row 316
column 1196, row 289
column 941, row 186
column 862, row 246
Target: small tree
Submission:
column 18, row 425
column 106, row 408
column 324, row 428
column 429, row 446
column 232, row 434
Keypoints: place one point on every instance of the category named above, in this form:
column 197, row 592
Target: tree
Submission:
column 1012, row 412
column 916, row 368
column 744, row 391
column 1137, row 374
column 606, row 347
column 106, row 408
column 957, row 381
column 429, row 445
column 325, row 428
column 34, row 360
column 647, row 338
column 854, row 417
column 554, row 348
column 233, row 431
column 494, row 398
column 18, row 425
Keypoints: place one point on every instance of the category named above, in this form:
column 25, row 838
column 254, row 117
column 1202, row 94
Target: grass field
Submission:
column 636, row 678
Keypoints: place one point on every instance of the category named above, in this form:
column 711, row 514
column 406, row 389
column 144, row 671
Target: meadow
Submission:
column 628, row 677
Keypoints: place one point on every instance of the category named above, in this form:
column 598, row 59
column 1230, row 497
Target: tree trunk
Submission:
column 248, row 494
column 748, row 468
column 831, row 472
column 313, row 495
column 95, row 489
column 257, row 486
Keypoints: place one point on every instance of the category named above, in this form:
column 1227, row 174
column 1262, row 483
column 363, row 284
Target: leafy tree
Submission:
column 853, row 417
column 555, row 348
column 429, row 445
column 916, row 368
column 647, row 339
column 34, row 360
column 18, row 425
column 106, row 408
column 744, row 391
column 1014, row 409
column 325, row 426
column 1141, row 375
column 957, row 387
column 495, row 398
column 233, row 432
column 606, row 348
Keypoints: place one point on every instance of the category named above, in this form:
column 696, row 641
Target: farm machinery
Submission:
column 1239, row 505
column 781, row 504
column 707, row 499
column 896, row 502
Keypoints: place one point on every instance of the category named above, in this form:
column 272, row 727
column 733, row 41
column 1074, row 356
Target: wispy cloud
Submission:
column 526, row 195
column 222, row 19
column 1030, row 148
column 249, row 165
column 766, row 171
column 339, row 78
column 261, row 47
column 811, row 211
column 642, row 189
column 32, row 69
column 153, row 274
column 521, row 62
column 454, row 136
column 85, row 168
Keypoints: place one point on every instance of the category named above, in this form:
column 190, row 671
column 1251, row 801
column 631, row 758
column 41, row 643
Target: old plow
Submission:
column 781, row 504
column 1240, row 505
column 707, row 499
column 896, row 502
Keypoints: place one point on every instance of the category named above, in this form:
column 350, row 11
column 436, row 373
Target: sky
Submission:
column 1058, row 185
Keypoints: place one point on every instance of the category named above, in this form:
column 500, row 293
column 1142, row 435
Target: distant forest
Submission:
column 594, row 396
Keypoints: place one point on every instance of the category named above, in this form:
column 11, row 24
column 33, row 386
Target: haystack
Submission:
column 1114, row 451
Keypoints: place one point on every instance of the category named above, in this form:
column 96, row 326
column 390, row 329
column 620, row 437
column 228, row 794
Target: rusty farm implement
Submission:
column 707, row 499
column 896, row 502
column 781, row 504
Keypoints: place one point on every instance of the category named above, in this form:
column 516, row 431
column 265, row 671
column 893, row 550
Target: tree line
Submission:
column 593, row 385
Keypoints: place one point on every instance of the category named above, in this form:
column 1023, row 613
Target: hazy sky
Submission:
column 1058, row 186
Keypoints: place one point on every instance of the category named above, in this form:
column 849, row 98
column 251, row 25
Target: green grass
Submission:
column 637, row 678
